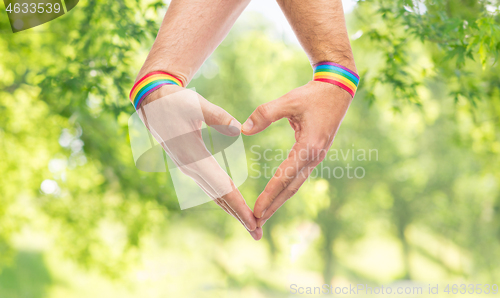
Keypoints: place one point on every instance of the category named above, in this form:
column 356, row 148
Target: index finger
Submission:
column 288, row 192
column 256, row 234
column 238, row 207
column 298, row 158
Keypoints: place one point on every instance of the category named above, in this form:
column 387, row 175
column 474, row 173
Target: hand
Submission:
column 315, row 112
column 174, row 116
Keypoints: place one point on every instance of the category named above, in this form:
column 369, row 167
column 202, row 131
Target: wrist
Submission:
column 331, row 92
column 336, row 74
column 161, row 92
column 181, row 75
column 346, row 60
column 149, row 84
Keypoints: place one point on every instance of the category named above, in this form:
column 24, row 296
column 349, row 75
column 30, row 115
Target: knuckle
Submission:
column 270, row 200
column 213, row 114
column 263, row 111
column 219, row 116
column 285, row 181
column 316, row 149
column 293, row 191
column 284, row 184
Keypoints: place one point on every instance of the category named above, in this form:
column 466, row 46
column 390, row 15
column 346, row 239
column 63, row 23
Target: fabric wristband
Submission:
column 149, row 83
column 336, row 74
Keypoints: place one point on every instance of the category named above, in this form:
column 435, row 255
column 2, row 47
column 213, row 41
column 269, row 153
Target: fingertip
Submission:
column 252, row 221
column 249, row 220
column 248, row 125
column 263, row 212
column 247, row 133
column 259, row 209
column 251, row 226
column 246, row 128
column 257, row 234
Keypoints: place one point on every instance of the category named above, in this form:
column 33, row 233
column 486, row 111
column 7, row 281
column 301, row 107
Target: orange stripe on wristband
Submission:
column 336, row 74
column 149, row 83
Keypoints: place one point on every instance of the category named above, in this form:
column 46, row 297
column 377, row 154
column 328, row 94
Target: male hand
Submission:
column 315, row 112
column 174, row 116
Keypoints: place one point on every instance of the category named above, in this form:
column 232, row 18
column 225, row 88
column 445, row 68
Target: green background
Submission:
column 426, row 210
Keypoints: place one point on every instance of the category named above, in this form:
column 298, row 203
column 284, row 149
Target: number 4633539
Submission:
column 33, row 8
column 471, row 289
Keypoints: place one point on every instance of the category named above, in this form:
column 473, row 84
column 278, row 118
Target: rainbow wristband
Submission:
column 336, row 74
column 149, row 83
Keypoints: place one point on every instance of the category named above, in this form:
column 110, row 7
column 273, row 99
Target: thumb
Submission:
column 268, row 113
column 220, row 120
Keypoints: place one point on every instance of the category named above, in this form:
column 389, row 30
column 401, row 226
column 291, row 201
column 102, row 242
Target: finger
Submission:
column 229, row 210
column 221, row 205
column 226, row 208
column 236, row 204
column 288, row 192
column 300, row 156
column 256, row 234
column 219, row 119
column 268, row 113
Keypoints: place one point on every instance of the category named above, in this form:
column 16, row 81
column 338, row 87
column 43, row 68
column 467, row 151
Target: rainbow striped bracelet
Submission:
column 336, row 74
column 149, row 83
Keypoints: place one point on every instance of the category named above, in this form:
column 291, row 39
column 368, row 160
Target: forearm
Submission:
column 321, row 30
column 189, row 33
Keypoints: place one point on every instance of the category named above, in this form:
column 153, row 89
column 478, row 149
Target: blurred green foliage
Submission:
column 426, row 209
